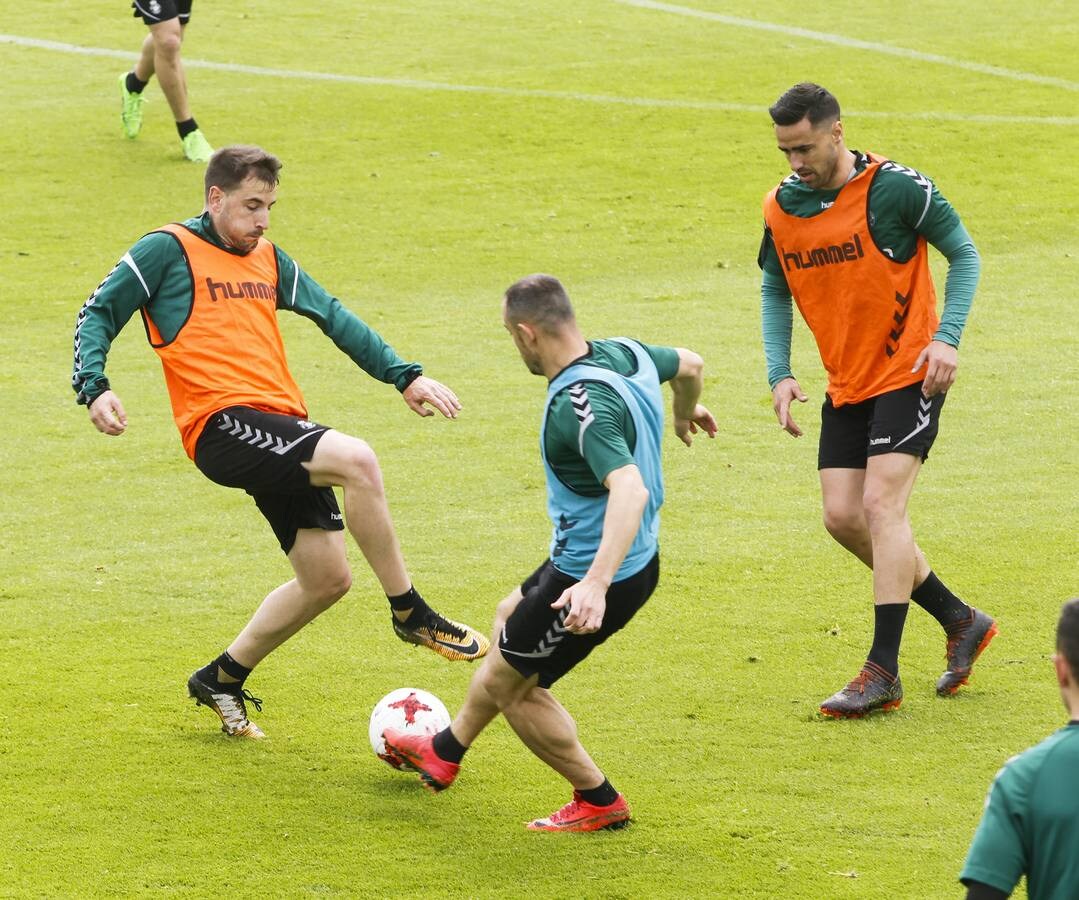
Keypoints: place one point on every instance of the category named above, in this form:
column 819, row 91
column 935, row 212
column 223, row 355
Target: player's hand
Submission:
column 107, row 413
column 782, row 395
column 426, row 390
column 941, row 361
column 702, row 420
column 587, row 601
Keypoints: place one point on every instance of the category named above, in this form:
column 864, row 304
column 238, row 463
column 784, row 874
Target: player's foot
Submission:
column 872, row 689
column 230, row 708
column 197, row 148
column 580, row 815
column 449, row 639
column 416, row 752
column 130, row 109
column 966, row 641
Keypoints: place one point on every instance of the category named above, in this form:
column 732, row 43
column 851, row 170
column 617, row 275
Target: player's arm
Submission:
column 926, row 212
column 299, row 292
column 941, row 355
column 777, row 325
column 687, row 384
column 684, row 369
column 626, row 501
column 108, row 309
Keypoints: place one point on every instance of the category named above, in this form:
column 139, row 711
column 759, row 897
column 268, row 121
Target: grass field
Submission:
column 448, row 149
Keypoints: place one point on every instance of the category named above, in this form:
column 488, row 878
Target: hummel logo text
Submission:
column 875, row 441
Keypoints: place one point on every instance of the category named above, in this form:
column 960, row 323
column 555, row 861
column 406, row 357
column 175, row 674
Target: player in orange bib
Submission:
column 846, row 236
column 208, row 291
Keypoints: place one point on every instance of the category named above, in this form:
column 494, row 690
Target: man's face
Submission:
column 812, row 151
column 520, row 340
column 241, row 215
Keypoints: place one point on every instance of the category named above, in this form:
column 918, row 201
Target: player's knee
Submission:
column 331, row 586
column 361, row 467
column 881, row 507
column 505, row 609
column 843, row 522
column 168, row 43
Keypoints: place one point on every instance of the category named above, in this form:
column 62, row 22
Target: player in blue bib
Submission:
column 600, row 440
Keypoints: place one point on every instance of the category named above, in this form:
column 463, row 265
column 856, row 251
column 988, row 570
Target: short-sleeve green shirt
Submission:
column 583, row 461
column 1031, row 822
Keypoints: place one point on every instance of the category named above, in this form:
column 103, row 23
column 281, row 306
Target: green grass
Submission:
column 121, row 568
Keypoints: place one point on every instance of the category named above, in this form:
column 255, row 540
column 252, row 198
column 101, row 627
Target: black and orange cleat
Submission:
column 449, row 639
column 966, row 641
column 230, row 708
column 580, row 815
column 417, row 752
column 872, row 689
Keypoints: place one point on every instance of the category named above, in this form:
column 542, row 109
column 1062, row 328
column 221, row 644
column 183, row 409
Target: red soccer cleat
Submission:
column 580, row 815
column 415, row 751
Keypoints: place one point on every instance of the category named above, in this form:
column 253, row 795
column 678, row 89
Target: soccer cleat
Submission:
column 230, row 708
column 416, row 752
column 130, row 109
column 966, row 641
column 580, row 815
column 197, row 148
column 872, row 689
column 449, row 639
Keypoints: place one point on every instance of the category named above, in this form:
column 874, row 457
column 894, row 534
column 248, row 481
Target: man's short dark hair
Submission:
column 539, row 300
column 1068, row 635
column 805, row 99
column 229, row 167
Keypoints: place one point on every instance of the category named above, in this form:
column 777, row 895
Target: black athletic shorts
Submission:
column 263, row 453
column 534, row 639
column 900, row 421
column 154, row 11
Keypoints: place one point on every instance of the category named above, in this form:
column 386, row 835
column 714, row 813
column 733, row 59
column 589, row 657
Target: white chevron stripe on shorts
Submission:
column 548, row 643
column 263, row 440
column 924, row 408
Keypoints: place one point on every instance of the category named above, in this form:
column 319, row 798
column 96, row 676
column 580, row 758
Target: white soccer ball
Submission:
column 406, row 709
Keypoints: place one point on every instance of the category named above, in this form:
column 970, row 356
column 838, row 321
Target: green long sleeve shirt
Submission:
column 154, row 275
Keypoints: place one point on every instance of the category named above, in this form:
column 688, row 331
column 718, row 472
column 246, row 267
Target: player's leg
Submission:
column 308, row 527
column 535, row 651
column 844, row 514
column 322, row 578
column 889, row 480
column 907, row 421
column 437, row 759
column 845, row 486
column 350, row 463
column 167, row 38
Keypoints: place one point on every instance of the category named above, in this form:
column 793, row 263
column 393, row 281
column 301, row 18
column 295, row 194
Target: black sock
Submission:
column 888, row 619
column 932, row 596
column 604, row 795
column 133, row 85
column 237, row 673
column 447, row 747
column 185, row 128
column 410, row 600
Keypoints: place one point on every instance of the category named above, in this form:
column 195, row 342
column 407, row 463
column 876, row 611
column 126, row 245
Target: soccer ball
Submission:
column 406, row 709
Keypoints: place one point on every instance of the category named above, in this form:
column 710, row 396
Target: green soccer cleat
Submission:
column 197, row 148
column 130, row 109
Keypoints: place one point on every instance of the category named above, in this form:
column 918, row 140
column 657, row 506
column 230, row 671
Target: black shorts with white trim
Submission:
column 263, row 453
column 899, row 421
column 534, row 639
